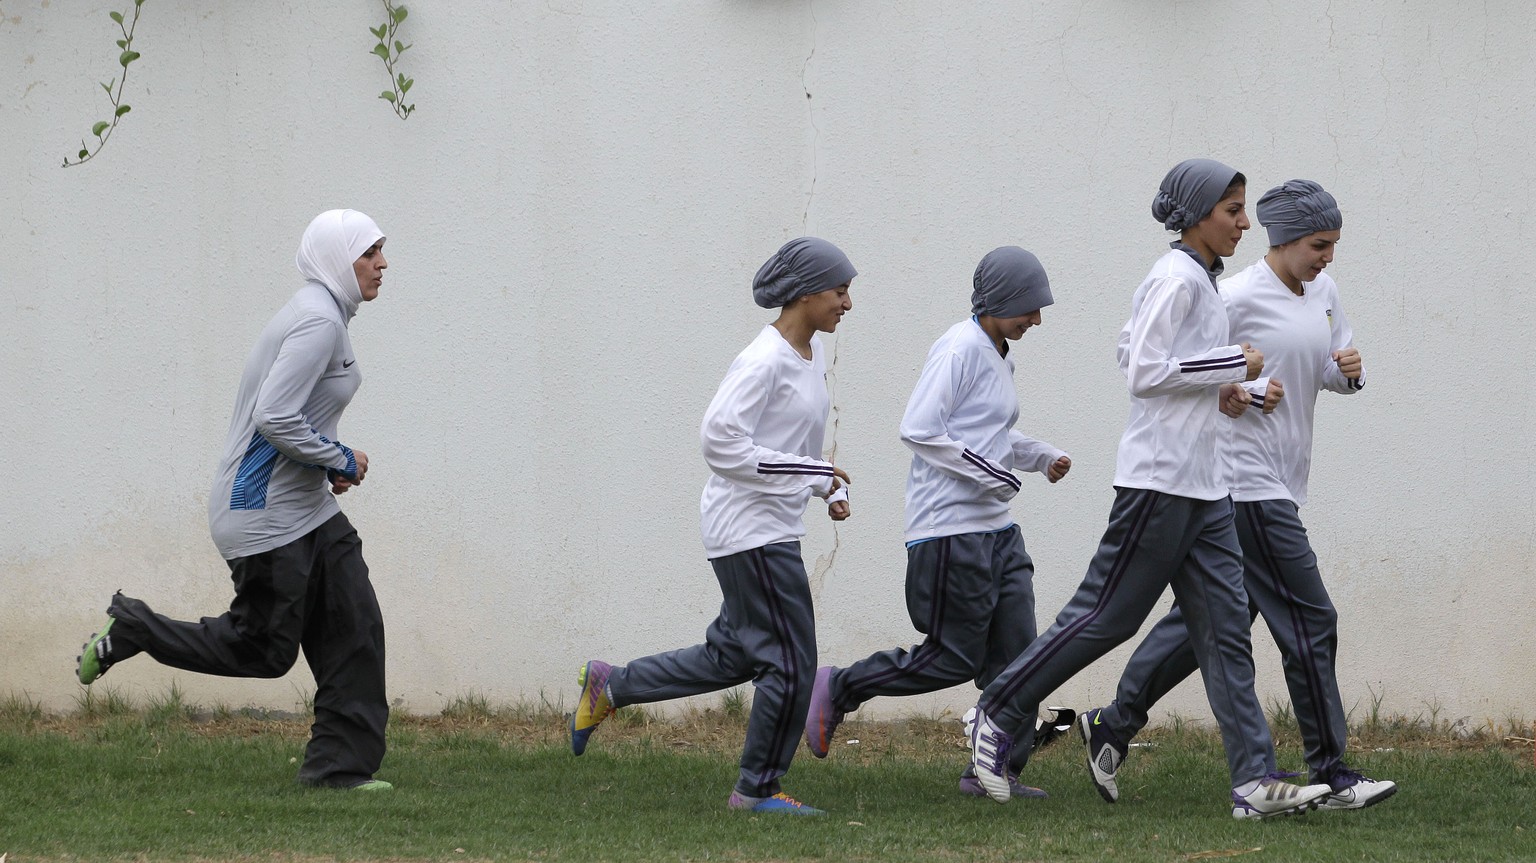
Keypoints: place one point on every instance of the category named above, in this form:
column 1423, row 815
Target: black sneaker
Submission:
column 1105, row 753
column 1049, row 729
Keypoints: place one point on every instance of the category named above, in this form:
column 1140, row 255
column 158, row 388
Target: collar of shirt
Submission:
column 1003, row 350
column 1213, row 270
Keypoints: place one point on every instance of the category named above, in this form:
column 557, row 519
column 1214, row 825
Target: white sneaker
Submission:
column 1274, row 796
column 990, row 747
column 1352, row 790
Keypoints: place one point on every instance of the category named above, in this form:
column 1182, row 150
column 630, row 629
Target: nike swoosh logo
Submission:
column 347, row 364
column 1098, row 718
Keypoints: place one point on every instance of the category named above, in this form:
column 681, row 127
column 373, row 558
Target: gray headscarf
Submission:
column 1190, row 192
column 1010, row 283
column 806, row 265
column 1296, row 208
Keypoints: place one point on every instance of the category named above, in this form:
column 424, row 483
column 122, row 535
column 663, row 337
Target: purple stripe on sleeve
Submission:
column 986, row 466
column 794, row 468
column 1212, row 365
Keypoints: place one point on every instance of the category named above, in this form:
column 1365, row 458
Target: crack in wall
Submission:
column 824, row 562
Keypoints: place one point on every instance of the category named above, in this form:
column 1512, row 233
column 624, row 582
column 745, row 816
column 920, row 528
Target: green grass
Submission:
column 169, row 781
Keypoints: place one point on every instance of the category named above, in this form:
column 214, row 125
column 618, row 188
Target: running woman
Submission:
column 762, row 438
column 970, row 583
column 299, row 576
column 1287, row 304
column 1172, row 521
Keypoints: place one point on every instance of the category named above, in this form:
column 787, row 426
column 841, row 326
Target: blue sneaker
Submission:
column 1105, row 753
column 779, row 804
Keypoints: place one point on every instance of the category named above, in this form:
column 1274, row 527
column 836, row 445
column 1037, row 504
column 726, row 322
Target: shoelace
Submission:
column 1001, row 745
column 1344, row 778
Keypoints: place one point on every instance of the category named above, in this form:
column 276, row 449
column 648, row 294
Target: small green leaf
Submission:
column 378, row 33
column 84, row 153
column 101, row 126
column 138, row 2
column 122, row 43
column 400, row 14
column 108, row 87
column 401, row 49
column 382, row 51
column 128, row 57
column 387, row 96
column 116, row 16
column 123, row 109
column 405, row 86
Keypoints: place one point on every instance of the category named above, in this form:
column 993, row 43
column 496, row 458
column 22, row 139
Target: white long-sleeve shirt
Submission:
column 271, row 486
column 1175, row 353
column 959, row 426
column 1272, row 453
column 762, row 438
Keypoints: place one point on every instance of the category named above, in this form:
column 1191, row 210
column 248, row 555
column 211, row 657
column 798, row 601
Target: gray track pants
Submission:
column 973, row 596
column 312, row 593
column 1154, row 540
column 765, row 633
column 1285, row 586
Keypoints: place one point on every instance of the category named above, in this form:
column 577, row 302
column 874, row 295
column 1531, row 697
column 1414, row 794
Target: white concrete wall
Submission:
column 575, row 212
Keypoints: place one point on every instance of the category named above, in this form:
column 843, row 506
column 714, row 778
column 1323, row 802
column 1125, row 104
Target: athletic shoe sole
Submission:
column 1369, row 801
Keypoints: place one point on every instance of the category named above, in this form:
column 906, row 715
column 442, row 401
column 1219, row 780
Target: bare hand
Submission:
column 1273, row 395
column 1255, row 358
column 362, row 464
column 1058, row 469
column 1234, row 400
column 340, row 484
column 1349, row 362
column 837, row 510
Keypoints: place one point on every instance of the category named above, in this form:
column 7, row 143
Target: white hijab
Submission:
column 331, row 243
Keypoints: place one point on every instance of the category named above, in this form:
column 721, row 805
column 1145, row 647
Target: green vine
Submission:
column 389, row 50
column 103, row 128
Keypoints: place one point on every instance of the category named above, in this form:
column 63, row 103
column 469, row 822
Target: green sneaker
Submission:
column 95, row 655
column 372, row 785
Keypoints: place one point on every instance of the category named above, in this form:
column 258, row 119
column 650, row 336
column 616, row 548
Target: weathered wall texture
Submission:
column 575, row 211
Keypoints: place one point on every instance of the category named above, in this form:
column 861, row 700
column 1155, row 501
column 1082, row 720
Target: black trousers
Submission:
column 312, row 593
column 765, row 633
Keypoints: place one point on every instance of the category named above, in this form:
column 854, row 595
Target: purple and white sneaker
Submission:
column 971, row 786
column 990, row 747
column 1275, row 797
